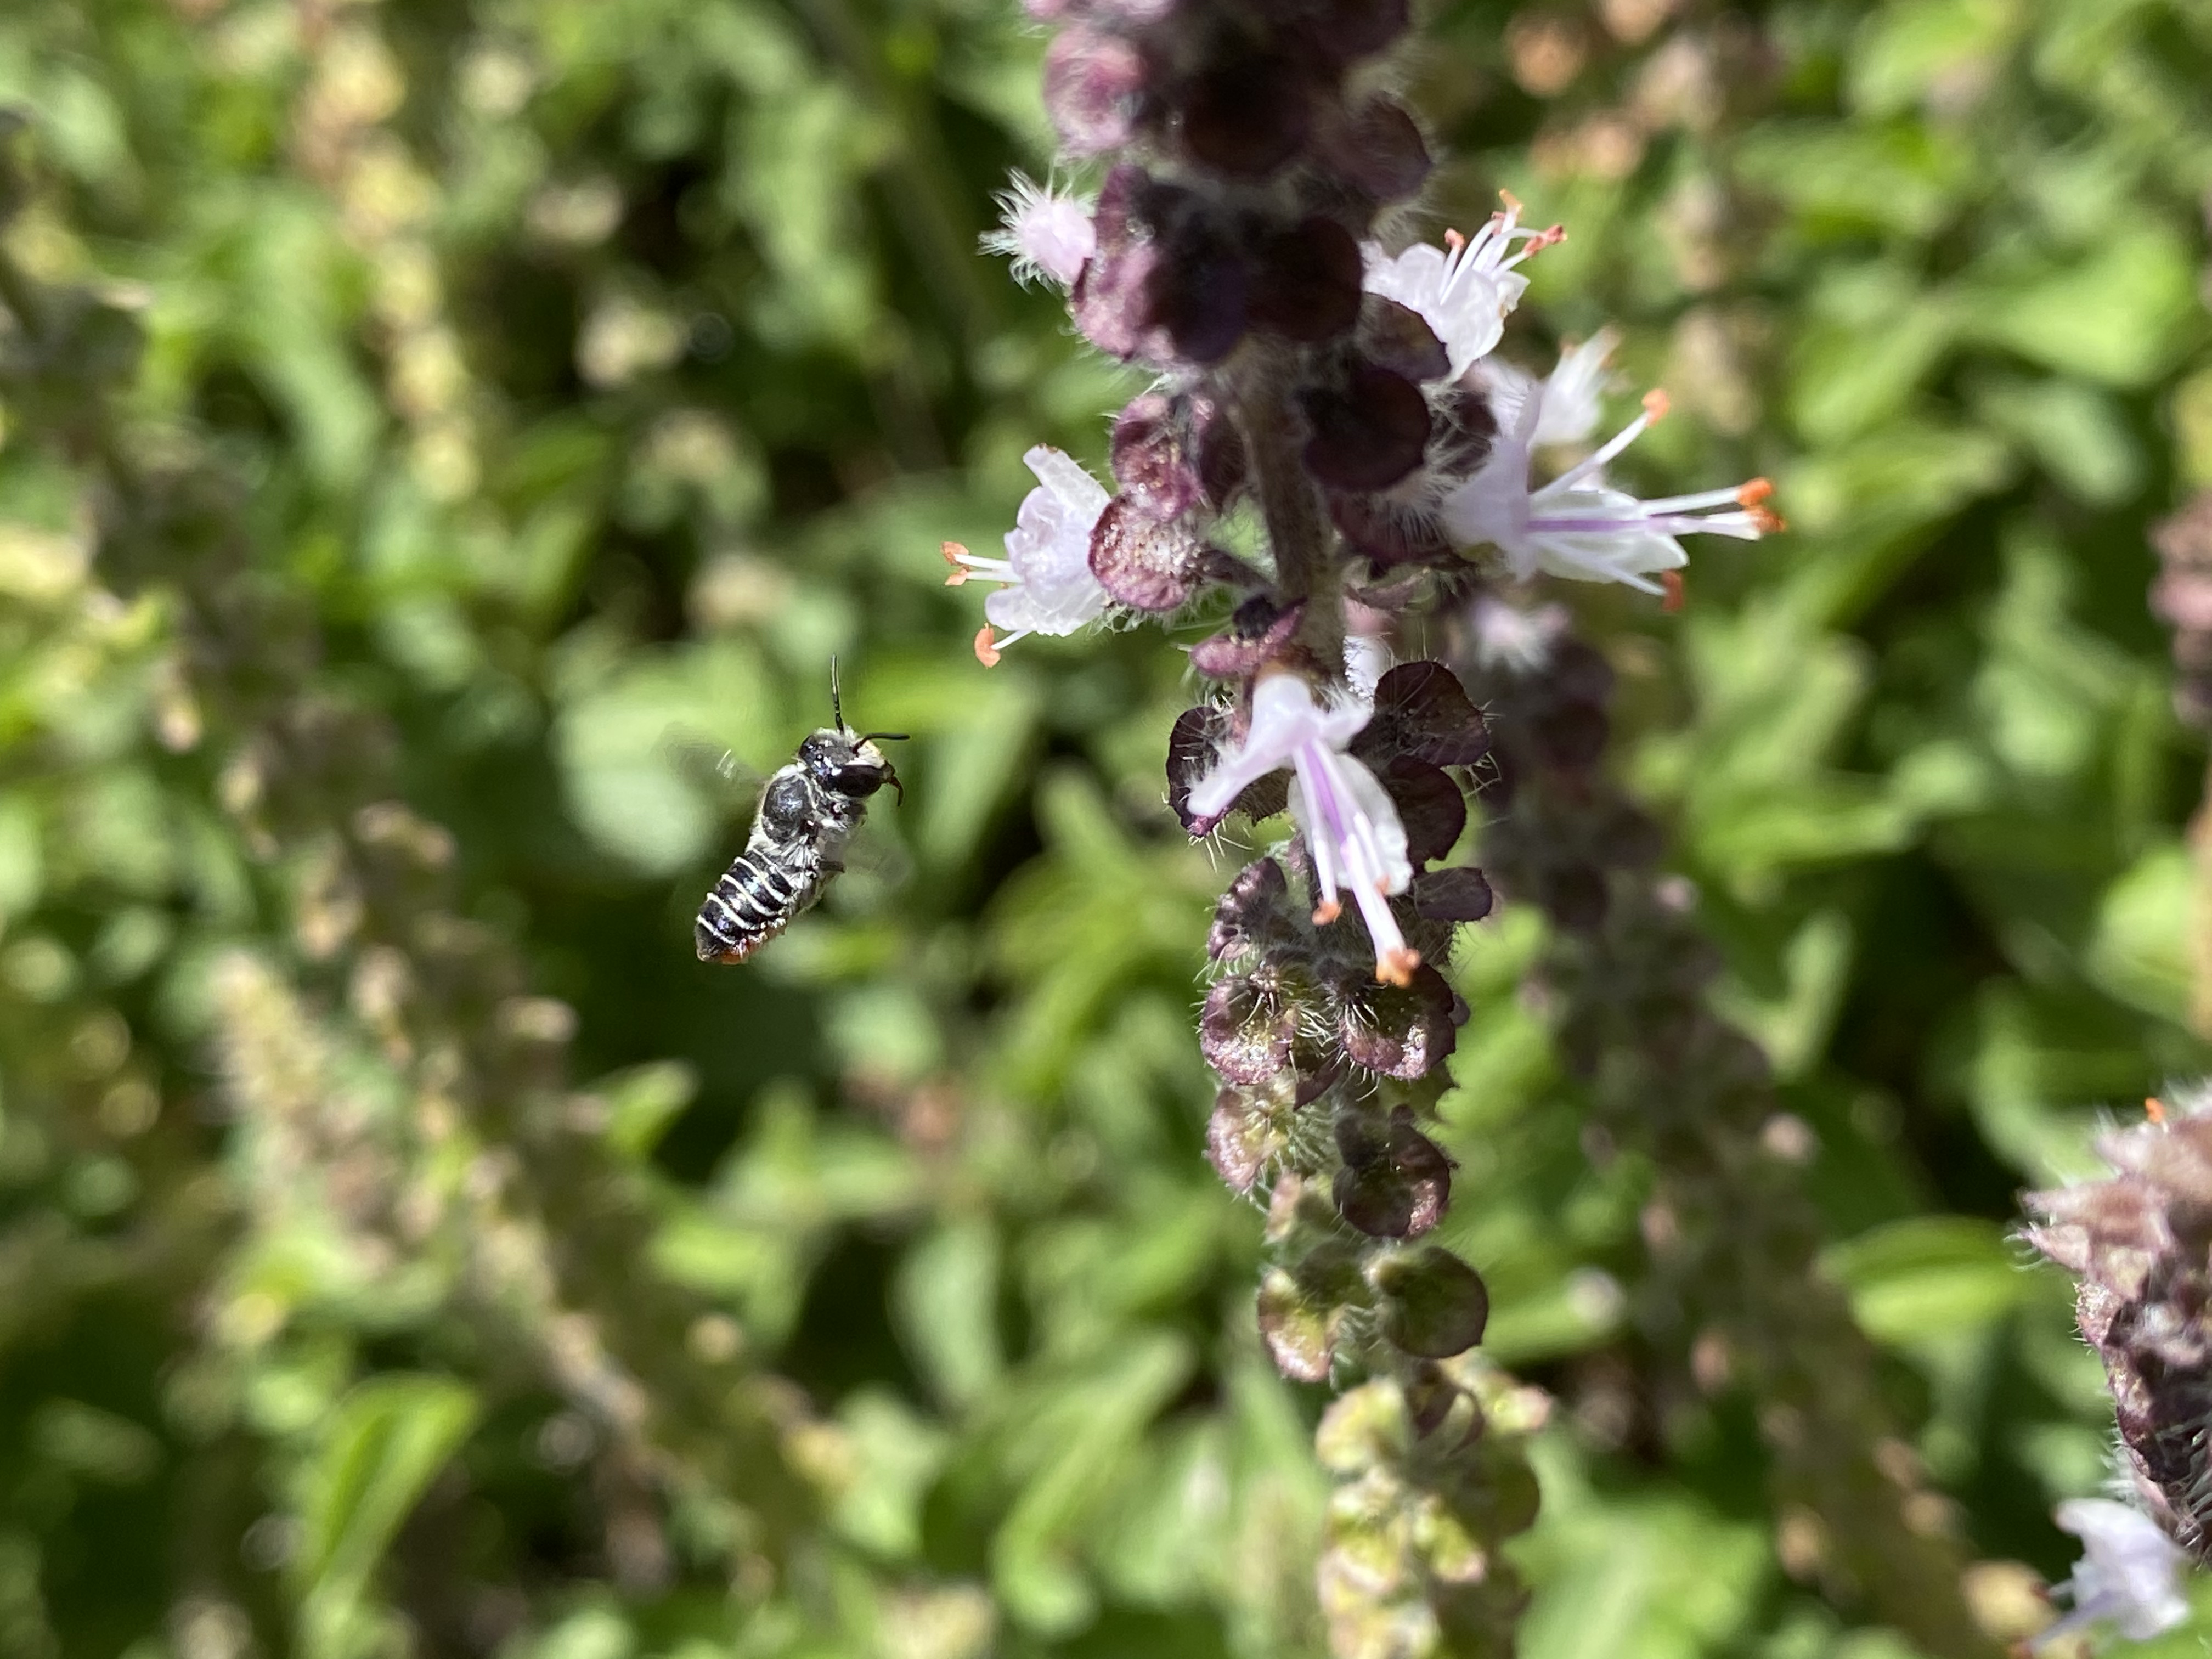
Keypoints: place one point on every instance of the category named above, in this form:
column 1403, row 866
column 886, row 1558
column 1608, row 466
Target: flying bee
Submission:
column 808, row 811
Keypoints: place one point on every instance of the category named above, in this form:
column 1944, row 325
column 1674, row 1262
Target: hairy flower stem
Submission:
column 550, row 1229
column 2137, row 1244
column 1734, row 1298
column 1298, row 531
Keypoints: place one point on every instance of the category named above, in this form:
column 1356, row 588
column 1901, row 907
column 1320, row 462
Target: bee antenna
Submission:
column 887, row 737
column 836, row 702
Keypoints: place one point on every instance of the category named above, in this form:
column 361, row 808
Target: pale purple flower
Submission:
column 1570, row 396
column 1049, row 587
column 1463, row 294
column 1350, row 827
column 1045, row 233
column 1578, row 526
column 2127, row 1571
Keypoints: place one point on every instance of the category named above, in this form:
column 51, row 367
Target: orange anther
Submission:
column 1677, row 591
column 1454, row 240
column 1655, row 405
column 954, row 554
column 1769, row 524
column 986, row 648
column 1752, row 494
column 1512, row 201
column 1325, row 912
column 2155, row 1109
column 1396, row 967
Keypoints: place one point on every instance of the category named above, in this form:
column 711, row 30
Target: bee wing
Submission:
column 711, row 767
column 877, row 856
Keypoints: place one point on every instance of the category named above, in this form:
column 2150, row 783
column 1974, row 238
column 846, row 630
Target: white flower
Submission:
column 1350, row 825
column 1049, row 588
column 2126, row 1572
column 1570, row 396
column 1463, row 294
column 1044, row 232
column 1519, row 642
column 1578, row 526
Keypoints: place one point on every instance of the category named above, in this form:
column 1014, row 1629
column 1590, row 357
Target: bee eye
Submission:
column 858, row 780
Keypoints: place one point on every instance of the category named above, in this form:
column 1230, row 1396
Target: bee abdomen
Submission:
column 749, row 905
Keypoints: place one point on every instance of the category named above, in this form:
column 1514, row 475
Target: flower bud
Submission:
column 1142, row 562
column 1257, row 634
column 1433, row 1304
column 1422, row 710
column 1466, row 432
column 1244, row 114
column 1389, row 534
column 1399, row 1030
column 1256, row 913
column 1364, row 1430
column 1172, row 454
column 1395, row 1182
column 1399, row 339
column 1339, row 31
column 1194, row 746
column 1575, row 895
column 1457, row 895
column 1299, row 1328
column 1094, row 89
column 1378, row 150
column 1367, row 432
column 1306, row 282
column 1242, row 1138
column 1571, row 736
column 1244, row 1032
column 1168, row 281
column 1429, row 805
column 1152, row 459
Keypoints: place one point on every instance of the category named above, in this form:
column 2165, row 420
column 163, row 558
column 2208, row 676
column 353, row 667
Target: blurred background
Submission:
column 416, row 410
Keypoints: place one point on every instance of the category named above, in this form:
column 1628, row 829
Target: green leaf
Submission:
column 96, row 1444
column 384, row 1443
column 643, row 1101
column 1794, row 1027
column 896, row 1454
column 946, row 1298
column 1858, row 365
column 1897, row 177
column 1916, row 50
column 619, row 747
column 1635, row 1577
column 2076, row 433
column 1928, row 1277
column 2121, row 314
column 22, row 864
column 2142, row 951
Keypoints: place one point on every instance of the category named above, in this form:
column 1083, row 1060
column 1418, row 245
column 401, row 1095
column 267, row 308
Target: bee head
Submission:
column 839, row 758
column 848, row 762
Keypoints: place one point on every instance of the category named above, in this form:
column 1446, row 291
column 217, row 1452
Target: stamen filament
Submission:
column 1702, row 498
column 1620, row 440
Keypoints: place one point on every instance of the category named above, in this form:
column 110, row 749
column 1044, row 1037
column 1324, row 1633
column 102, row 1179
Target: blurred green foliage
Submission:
column 566, row 374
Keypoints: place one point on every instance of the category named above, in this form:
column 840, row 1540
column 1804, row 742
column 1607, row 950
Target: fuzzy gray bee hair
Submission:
column 807, row 812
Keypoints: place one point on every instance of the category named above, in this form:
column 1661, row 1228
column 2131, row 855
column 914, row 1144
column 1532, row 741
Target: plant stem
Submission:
column 1300, row 534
